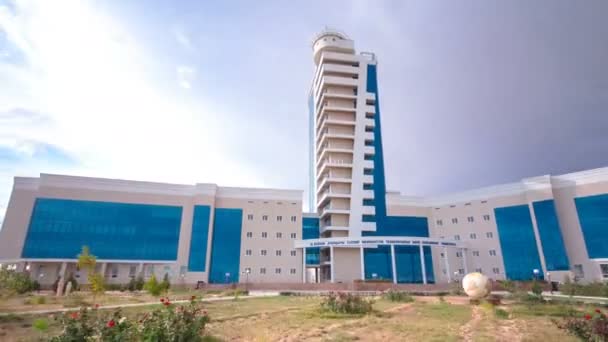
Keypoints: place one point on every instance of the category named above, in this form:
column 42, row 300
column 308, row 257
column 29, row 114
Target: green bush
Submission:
column 165, row 284
column 597, row 289
column 590, row 327
column 169, row 323
column 40, row 324
column 398, row 296
column 139, row 283
column 346, row 303
column 17, row 282
column 153, row 287
column 537, row 289
column 116, row 287
column 507, row 285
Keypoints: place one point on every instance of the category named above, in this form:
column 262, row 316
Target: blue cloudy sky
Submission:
column 473, row 93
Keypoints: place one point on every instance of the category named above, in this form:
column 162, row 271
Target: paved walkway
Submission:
column 582, row 299
column 252, row 294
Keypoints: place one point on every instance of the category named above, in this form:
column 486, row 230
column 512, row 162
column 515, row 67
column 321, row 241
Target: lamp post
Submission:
column 246, row 273
column 536, row 272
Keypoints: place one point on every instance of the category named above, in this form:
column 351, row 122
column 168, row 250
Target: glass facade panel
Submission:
column 124, row 231
column 550, row 235
column 378, row 260
column 199, row 238
column 310, row 230
column 593, row 217
column 517, row 241
column 226, row 246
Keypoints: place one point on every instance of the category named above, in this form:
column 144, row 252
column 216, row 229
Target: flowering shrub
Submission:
column 398, row 296
column 591, row 327
column 346, row 303
column 169, row 323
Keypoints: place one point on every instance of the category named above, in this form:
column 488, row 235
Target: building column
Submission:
column 304, row 265
column 393, row 264
column 61, row 282
column 140, row 270
column 464, row 260
column 362, row 263
column 102, row 271
column 539, row 243
column 422, row 264
column 447, row 264
column 331, row 264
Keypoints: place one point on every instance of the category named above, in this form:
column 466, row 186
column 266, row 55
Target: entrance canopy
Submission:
column 374, row 241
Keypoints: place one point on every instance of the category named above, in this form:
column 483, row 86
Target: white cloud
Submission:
column 92, row 79
column 185, row 76
column 182, row 38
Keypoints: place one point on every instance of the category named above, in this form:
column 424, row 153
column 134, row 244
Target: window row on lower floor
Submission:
column 277, row 270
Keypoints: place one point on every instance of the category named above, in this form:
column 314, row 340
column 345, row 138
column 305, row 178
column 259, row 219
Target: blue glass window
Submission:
column 368, row 202
column 368, row 218
column 310, row 230
column 369, row 157
column 369, row 128
column 593, row 217
column 367, row 171
column 517, row 242
column 226, row 246
column 369, row 143
column 125, row 231
column 550, row 235
column 198, row 241
column 367, row 186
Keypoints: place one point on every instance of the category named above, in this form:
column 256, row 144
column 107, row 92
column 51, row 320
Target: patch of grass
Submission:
column 501, row 313
column 10, row 318
column 547, row 310
column 75, row 300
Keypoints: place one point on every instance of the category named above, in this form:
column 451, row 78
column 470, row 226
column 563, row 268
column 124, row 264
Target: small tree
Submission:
column 88, row 261
column 537, row 289
column 165, row 284
column 152, row 286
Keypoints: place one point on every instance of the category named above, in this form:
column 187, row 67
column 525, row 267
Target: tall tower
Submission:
column 342, row 106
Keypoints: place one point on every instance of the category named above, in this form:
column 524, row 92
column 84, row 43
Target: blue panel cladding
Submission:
column 121, row 231
column 226, row 246
column 593, row 217
column 310, row 230
column 378, row 260
column 407, row 261
column 378, row 263
column 517, row 241
column 379, row 181
column 199, row 238
column 550, row 235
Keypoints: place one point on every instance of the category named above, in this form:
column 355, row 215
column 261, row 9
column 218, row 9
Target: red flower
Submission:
column 598, row 311
column 167, row 303
column 162, row 300
column 587, row 316
column 96, row 306
column 205, row 312
column 111, row 323
column 74, row 315
column 193, row 298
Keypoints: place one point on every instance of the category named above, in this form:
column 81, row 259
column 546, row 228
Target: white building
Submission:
column 546, row 226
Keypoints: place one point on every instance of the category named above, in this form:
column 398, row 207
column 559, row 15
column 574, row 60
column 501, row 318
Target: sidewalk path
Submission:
column 252, row 294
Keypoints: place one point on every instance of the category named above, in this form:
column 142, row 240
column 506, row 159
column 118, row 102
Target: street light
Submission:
column 536, row 272
column 246, row 273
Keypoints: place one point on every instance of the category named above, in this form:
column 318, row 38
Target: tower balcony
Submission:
column 327, row 81
column 334, row 164
column 329, row 135
column 327, row 195
column 326, row 180
column 323, row 156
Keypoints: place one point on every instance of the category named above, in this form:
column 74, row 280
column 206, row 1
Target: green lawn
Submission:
column 298, row 319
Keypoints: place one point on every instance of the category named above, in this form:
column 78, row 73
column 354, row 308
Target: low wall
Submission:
column 353, row 286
